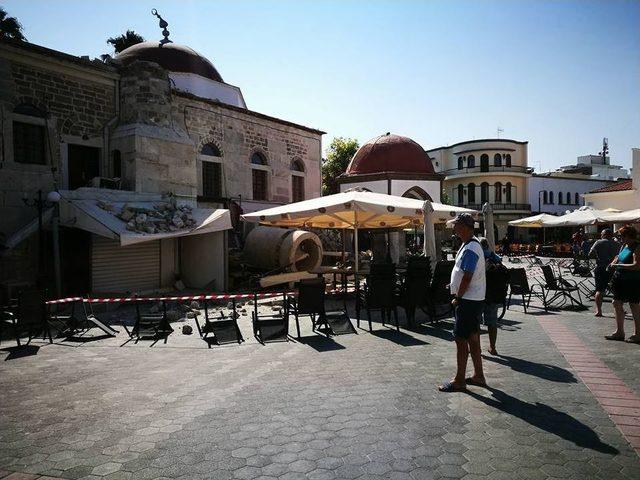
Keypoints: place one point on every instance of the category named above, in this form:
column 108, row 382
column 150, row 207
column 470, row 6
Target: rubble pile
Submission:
column 161, row 218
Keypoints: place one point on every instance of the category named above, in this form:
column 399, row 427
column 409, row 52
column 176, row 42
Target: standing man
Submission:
column 604, row 251
column 468, row 286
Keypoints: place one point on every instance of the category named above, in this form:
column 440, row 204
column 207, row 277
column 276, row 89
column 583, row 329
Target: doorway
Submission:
column 83, row 165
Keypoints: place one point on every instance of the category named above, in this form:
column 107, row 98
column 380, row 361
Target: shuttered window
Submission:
column 297, row 188
column 211, row 180
column 28, row 143
column 259, row 184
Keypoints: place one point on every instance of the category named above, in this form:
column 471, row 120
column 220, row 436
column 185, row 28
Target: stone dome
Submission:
column 390, row 153
column 171, row 57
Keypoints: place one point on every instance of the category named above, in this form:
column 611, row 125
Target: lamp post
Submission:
column 40, row 204
column 54, row 198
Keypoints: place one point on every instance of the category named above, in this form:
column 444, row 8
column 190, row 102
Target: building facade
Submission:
column 623, row 195
column 489, row 170
column 597, row 167
column 160, row 120
column 557, row 192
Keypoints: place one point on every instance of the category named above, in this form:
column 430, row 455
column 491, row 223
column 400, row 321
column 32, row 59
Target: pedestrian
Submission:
column 497, row 277
column 506, row 245
column 468, row 286
column 604, row 251
column 625, row 283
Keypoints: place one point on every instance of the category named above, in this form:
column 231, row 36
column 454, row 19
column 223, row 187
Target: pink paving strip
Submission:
column 614, row 396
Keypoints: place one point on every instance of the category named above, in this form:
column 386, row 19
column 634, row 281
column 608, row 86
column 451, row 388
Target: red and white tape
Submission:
column 234, row 296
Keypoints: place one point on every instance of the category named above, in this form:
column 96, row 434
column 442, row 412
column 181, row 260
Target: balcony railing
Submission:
column 488, row 169
column 500, row 206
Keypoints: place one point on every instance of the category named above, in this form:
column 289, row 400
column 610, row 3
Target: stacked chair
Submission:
column 414, row 287
column 378, row 292
column 28, row 317
column 439, row 293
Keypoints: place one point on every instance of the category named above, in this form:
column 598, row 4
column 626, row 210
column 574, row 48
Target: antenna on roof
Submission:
column 499, row 131
column 163, row 25
column 605, row 150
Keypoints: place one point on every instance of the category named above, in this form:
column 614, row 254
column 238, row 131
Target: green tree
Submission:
column 340, row 153
column 10, row 27
column 122, row 42
column 444, row 197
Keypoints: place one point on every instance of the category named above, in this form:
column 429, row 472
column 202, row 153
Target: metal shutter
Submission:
column 120, row 269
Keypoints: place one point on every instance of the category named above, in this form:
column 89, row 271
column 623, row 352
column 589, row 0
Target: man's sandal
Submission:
column 449, row 387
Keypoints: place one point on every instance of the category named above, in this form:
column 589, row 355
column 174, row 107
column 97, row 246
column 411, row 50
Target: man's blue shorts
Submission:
column 468, row 314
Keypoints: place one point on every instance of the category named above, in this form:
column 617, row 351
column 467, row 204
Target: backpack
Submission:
column 497, row 283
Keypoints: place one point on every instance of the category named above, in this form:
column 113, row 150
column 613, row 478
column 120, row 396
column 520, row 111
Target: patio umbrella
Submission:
column 535, row 221
column 487, row 211
column 630, row 216
column 582, row 216
column 355, row 209
column 429, row 246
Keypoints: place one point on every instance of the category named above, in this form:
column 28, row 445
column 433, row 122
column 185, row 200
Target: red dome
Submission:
column 390, row 153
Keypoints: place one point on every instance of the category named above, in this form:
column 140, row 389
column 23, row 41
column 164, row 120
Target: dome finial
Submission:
column 163, row 25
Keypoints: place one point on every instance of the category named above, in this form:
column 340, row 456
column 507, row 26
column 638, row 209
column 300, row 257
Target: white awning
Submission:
column 80, row 209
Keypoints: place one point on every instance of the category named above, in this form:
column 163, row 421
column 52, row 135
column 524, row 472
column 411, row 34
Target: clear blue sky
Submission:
column 559, row 74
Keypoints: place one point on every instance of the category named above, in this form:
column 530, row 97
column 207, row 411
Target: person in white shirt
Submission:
column 468, row 287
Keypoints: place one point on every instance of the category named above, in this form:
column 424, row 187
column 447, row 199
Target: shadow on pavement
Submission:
column 321, row 343
column 400, row 338
column 540, row 370
column 548, row 419
column 20, row 352
column 442, row 330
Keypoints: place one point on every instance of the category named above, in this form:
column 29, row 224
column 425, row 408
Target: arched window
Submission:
column 508, row 192
column 551, row 198
column 417, row 193
column 211, row 159
column 460, row 163
column 497, row 160
column 471, row 189
column 259, row 173
column 577, row 199
column 498, row 192
column 507, row 160
column 484, row 162
column 297, row 180
column 210, row 150
column 545, row 197
column 568, row 198
column 460, row 194
column 484, row 192
column 560, row 197
column 471, row 161
column 29, row 135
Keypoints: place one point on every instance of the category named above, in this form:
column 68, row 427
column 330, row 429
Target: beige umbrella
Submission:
column 630, row 216
column 535, row 221
column 582, row 216
column 429, row 246
column 487, row 211
column 354, row 209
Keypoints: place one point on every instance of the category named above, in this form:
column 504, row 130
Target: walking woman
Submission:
column 625, row 283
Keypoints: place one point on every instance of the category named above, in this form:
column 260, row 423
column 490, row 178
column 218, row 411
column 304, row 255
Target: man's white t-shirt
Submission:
column 470, row 257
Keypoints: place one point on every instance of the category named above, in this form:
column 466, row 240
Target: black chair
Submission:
column 414, row 287
column 270, row 328
column 378, row 292
column 150, row 324
column 560, row 289
column 29, row 316
column 439, row 292
column 224, row 329
column 310, row 301
column 519, row 285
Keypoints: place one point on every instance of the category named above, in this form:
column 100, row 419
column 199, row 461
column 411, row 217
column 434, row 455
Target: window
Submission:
column 211, row 179
column 568, row 198
column 472, row 192
column 259, row 184
column 508, row 192
column 116, row 165
column 551, row 198
column 297, row 181
column 560, row 197
column 258, row 159
column 29, row 137
column 460, row 194
column 577, row 199
column 471, row 161
column 460, row 163
column 507, row 160
column 484, row 162
column 484, row 192
column 545, row 197
column 497, row 160
column 210, row 157
column 498, row 192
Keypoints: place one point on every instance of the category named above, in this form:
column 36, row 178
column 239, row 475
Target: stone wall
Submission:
column 238, row 134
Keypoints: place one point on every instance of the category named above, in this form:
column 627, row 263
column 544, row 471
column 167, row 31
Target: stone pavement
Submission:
column 358, row 406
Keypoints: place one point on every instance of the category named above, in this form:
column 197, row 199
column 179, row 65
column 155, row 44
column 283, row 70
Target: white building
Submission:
column 557, row 192
column 623, row 195
column 597, row 167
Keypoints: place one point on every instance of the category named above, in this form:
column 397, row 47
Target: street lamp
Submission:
column 54, row 198
column 40, row 204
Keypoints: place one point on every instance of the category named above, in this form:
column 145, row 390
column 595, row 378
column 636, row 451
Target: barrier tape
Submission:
column 230, row 296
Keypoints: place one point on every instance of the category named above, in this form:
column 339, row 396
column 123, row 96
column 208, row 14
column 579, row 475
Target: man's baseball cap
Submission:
column 464, row 219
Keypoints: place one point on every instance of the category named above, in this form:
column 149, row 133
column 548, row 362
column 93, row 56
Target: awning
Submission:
column 27, row 230
column 81, row 209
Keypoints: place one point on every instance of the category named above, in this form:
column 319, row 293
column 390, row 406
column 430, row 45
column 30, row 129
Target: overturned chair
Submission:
column 150, row 324
column 270, row 328
column 77, row 317
column 311, row 301
column 562, row 290
column 29, row 317
column 224, row 329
